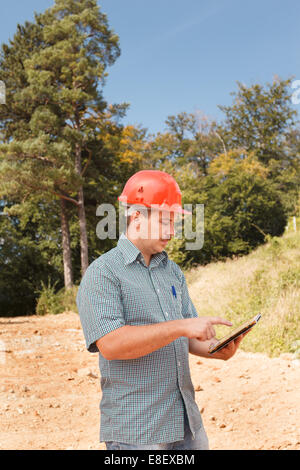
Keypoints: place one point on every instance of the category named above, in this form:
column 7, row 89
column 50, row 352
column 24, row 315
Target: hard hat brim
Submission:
column 175, row 208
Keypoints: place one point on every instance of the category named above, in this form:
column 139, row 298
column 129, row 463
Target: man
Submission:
column 136, row 313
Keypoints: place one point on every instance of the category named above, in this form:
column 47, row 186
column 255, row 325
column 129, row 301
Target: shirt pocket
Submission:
column 176, row 300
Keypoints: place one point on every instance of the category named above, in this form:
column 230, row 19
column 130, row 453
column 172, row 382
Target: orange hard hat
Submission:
column 153, row 188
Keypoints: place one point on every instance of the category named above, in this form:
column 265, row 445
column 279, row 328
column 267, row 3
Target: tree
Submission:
column 62, row 89
column 238, row 160
column 259, row 119
column 289, row 178
column 15, row 115
column 29, row 255
column 189, row 139
column 15, row 125
column 241, row 207
column 244, row 207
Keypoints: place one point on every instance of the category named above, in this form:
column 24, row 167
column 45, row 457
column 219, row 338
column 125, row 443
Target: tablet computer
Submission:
column 233, row 334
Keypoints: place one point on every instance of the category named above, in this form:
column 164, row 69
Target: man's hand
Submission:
column 228, row 351
column 202, row 327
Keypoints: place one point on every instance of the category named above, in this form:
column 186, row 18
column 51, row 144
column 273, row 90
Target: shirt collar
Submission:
column 131, row 252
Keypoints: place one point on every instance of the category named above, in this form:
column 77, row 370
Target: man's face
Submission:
column 157, row 229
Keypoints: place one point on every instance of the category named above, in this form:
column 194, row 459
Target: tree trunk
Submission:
column 67, row 259
column 81, row 216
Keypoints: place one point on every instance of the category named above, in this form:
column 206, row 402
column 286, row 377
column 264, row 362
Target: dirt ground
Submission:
column 50, row 391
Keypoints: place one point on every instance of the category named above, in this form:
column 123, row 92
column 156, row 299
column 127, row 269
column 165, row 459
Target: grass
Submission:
column 267, row 281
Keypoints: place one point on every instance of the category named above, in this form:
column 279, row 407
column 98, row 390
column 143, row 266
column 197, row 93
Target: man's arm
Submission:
column 132, row 342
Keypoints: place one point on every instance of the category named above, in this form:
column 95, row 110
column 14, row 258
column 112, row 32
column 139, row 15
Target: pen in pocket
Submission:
column 174, row 291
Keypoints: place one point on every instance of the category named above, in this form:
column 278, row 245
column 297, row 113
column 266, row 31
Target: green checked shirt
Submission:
column 142, row 399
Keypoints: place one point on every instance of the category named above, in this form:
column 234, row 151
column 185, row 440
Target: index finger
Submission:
column 219, row 321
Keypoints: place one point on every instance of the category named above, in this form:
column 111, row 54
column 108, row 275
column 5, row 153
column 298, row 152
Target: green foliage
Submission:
column 63, row 57
column 48, row 150
column 259, row 118
column 190, row 140
column 28, row 255
column 68, row 298
column 240, row 210
column 52, row 302
column 48, row 301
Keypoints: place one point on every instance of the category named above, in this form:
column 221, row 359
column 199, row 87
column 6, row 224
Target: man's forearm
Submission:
column 200, row 348
column 132, row 342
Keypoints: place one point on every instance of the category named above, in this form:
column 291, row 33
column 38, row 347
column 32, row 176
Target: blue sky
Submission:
column 187, row 56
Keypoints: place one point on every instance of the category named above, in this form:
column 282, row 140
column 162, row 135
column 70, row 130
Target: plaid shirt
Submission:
column 142, row 399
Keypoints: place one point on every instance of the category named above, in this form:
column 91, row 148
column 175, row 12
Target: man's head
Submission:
column 153, row 198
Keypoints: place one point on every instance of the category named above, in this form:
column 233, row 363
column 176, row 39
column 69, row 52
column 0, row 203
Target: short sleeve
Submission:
column 99, row 305
column 188, row 308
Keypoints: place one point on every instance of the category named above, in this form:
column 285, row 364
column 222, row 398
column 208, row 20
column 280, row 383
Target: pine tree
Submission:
column 61, row 93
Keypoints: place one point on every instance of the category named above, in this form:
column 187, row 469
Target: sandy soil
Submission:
column 50, row 391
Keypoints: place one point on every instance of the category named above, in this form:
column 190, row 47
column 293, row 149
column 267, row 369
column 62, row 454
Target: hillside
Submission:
column 267, row 281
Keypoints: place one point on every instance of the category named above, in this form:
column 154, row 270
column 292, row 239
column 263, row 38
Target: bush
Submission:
column 51, row 302
column 48, row 301
column 67, row 299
